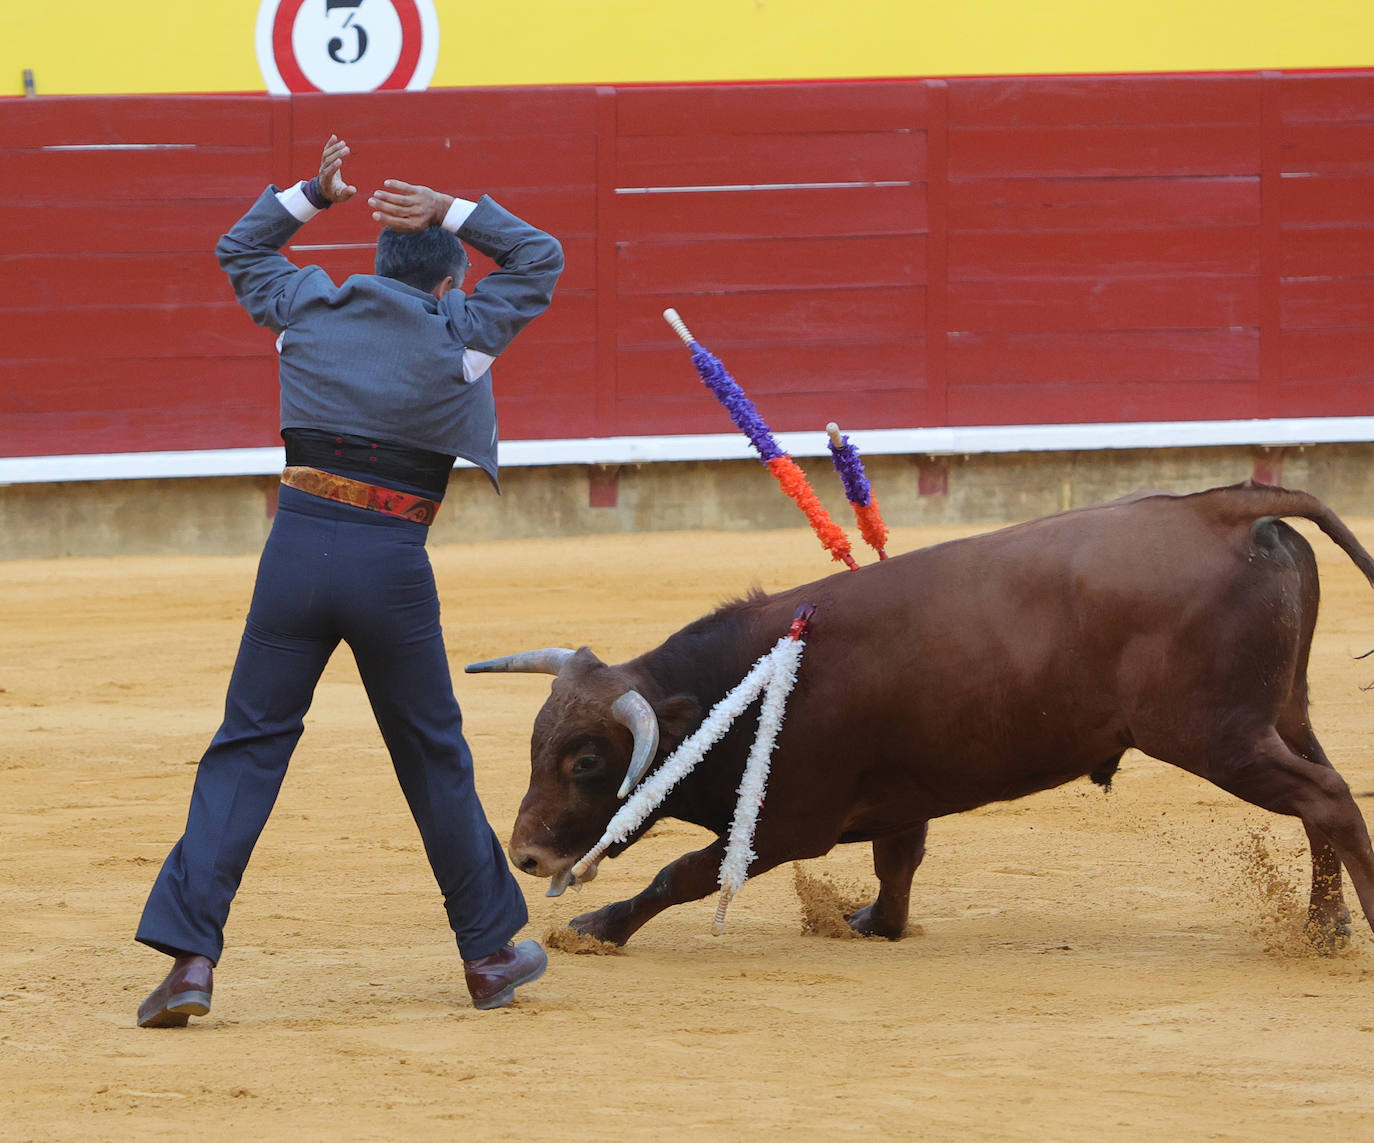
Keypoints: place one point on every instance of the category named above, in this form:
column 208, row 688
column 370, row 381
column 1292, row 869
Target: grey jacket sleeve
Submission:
column 264, row 280
column 519, row 290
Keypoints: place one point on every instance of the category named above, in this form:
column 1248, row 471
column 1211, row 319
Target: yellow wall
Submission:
column 94, row 46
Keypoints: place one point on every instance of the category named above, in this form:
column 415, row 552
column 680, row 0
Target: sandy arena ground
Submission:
column 1084, row 967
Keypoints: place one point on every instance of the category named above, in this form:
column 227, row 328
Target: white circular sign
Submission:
column 347, row 45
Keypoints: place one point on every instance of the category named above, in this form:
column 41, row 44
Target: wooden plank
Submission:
column 786, row 412
column 1011, row 403
column 120, row 431
column 378, row 119
column 771, row 108
column 1332, row 97
column 1329, row 148
column 547, row 389
column 744, row 265
column 216, row 425
column 62, row 382
column 282, row 140
column 1271, row 243
column 934, row 410
column 770, row 370
column 559, row 208
column 777, row 213
column 715, row 160
column 724, row 322
column 118, row 177
column 1327, row 303
column 569, row 321
column 1326, row 199
column 549, row 416
column 579, row 253
column 1115, row 203
column 38, row 279
column 200, row 403
column 1100, row 152
column 536, row 366
column 1120, row 357
column 1329, row 252
column 1324, row 399
column 226, row 121
column 97, row 333
column 464, row 165
column 1106, row 254
column 607, row 317
column 1104, row 304
column 75, row 227
column 90, row 374
column 1103, row 101
column 1327, row 355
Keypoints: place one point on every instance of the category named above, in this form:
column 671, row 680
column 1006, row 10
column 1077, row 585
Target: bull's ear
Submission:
column 677, row 718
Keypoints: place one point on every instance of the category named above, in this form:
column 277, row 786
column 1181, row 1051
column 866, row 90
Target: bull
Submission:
column 974, row 671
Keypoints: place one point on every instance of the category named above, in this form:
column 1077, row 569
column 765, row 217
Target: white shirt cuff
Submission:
column 300, row 207
column 457, row 214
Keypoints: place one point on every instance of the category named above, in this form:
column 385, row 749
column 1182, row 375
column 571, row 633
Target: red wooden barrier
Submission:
column 886, row 254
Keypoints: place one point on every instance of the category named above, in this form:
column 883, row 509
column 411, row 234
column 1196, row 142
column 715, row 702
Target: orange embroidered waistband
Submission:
column 360, row 495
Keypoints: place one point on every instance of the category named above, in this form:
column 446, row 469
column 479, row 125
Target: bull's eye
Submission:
column 586, row 764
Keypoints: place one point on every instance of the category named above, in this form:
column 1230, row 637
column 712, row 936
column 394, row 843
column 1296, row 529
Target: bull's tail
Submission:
column 1248, row 502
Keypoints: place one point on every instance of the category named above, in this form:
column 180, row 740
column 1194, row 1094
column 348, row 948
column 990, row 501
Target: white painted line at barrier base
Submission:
column 964, row 440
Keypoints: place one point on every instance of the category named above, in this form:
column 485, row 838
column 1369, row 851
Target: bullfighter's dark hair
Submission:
column 422, row 258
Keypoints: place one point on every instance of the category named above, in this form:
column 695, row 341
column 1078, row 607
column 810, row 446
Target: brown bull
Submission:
column 966, row 673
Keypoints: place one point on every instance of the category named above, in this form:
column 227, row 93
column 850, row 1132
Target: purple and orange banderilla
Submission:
column 857, row 490
column 788, row 474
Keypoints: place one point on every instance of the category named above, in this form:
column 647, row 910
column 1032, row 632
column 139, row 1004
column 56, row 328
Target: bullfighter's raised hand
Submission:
column 331, row 180
column 405, row 207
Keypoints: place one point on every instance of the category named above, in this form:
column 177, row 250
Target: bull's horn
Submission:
column 632, row 710
column 547, row 661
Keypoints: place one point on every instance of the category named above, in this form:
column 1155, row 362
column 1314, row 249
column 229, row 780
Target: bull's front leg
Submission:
column 689, row 878
column 895, row 859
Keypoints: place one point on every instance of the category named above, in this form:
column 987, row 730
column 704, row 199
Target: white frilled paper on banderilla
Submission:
column 774, row 675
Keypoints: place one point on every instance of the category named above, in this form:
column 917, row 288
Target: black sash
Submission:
column 370, row 460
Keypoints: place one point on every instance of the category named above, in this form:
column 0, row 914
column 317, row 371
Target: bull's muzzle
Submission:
column 540, row 861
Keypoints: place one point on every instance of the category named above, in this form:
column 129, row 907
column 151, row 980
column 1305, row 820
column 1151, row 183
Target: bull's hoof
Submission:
column 863, row 921
column 1327, row 935
column 603, row 924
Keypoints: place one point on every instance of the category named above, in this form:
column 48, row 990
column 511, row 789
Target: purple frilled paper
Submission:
column 741, row 409
column 847, row 463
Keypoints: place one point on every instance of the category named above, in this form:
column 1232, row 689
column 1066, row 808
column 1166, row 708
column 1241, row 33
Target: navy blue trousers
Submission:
column 331, row 572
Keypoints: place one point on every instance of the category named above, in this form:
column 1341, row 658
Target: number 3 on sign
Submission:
column 336, row 44
column 347, row 45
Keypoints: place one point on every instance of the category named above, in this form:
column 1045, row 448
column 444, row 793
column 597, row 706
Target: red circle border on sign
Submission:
column 412, row 32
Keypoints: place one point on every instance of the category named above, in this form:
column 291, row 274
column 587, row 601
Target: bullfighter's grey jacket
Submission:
column 378, row 358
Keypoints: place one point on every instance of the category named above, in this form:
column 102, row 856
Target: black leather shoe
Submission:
column 185, row 993
column 492, row 980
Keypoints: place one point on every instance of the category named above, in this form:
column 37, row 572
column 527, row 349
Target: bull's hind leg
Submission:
column 1272, row 775
column 895, row 859
column 1328, row 918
